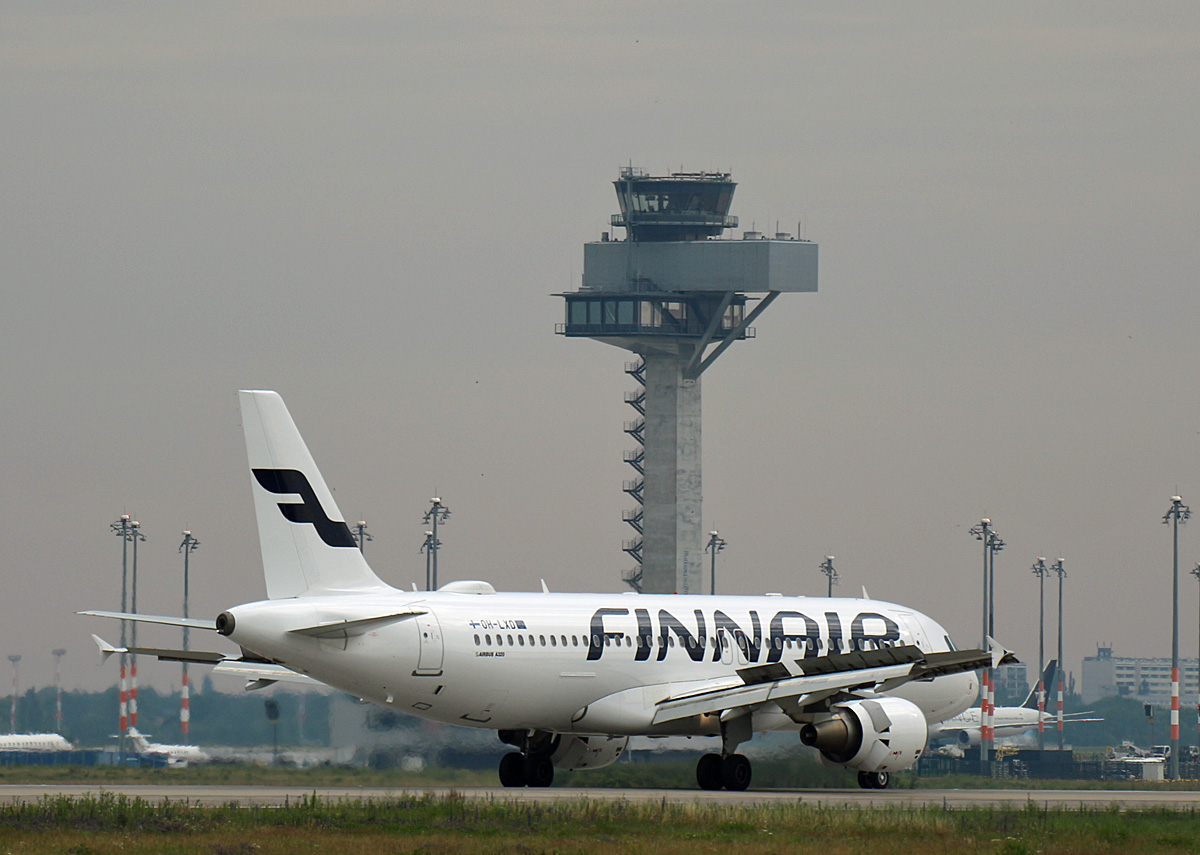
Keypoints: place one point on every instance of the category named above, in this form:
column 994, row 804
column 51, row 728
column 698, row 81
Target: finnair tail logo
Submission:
column 309, row 510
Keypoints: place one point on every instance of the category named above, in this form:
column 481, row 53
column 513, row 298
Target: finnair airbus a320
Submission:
column 567, row 678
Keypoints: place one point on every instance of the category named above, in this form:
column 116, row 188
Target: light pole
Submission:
column 1178, row 513
column 428, row 548
column 1196, row 573
column 360, row 535
column 12, row 718
column 1039, row 570
column 437, row 513
column 133, row 686
column 715, row 545
column 58, row 720
column 188, row 546
column 123, row 528
column 1059, row 570
column 826, row 567
column 991, row 544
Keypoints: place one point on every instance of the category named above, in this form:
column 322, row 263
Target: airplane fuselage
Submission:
column 579, row 663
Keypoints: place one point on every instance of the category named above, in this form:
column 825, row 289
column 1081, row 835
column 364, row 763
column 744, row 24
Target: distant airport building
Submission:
column 676, row 294
column 1146, row 680
column 1012, row 682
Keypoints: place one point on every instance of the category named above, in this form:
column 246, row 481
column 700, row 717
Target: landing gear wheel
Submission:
column 873, row 780
column 539, row 770
column 735, row 772
column 512, row 770
column 708, row 772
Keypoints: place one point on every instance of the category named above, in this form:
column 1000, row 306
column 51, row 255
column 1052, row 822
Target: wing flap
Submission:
column 825, row 676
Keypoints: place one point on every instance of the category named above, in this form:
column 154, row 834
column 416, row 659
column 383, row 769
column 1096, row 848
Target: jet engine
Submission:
column 969, row 737
column 884, row 735
column 587, row 752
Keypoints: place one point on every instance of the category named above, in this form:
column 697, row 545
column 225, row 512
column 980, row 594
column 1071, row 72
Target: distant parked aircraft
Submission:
column 34, row 742
column 177, row 755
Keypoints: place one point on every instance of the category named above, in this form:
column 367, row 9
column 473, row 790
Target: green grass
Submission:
column 454, row 824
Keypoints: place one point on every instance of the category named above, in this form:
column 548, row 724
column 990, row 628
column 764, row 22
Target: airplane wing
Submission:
column 262, row 674
column 823, row 677
column 193, row 623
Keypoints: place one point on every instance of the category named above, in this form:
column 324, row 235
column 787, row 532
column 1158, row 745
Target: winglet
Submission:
column 1000, row 655
column 106, row 649
column 545, row 589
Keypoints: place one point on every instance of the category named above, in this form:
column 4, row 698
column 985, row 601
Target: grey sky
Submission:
column 367, row 208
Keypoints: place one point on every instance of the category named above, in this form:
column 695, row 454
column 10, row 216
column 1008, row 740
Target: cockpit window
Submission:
column 949, row 643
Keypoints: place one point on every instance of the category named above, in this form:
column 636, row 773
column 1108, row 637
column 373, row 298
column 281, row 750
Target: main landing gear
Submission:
column 874, row 780
column 727, row 769
column 732, row 772
column 532, row 767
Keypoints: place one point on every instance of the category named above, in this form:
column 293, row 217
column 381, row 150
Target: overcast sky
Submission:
column 368, row 208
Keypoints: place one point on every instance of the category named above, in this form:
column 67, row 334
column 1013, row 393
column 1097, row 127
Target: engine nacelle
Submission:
column 884, row 735
column 587, row 752
column 969, row 737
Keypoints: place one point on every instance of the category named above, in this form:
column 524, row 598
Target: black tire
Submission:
column 708, row 772
column 512, row 770
column 539, row 770
column 874, row 780
column 736, row 772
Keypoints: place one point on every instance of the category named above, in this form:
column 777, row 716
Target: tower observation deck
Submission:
column 677, row 294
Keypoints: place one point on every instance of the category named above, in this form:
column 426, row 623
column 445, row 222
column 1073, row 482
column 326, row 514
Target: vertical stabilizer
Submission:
column 1031, row 700
column 306, row 544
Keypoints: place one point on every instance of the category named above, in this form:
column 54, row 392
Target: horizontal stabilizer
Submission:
column 193, row 623
column 349, row 628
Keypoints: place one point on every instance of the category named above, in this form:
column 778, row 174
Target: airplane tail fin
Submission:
column 140, row 744
column 306, row 544
column 1031, row 700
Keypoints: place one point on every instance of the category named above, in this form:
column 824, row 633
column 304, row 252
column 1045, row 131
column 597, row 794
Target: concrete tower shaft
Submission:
column 676, row 294
column 673, row 538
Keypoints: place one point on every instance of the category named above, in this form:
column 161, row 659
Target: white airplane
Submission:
column 34, row 742
column 177, row 755
column 964, row 728
column 567, row 678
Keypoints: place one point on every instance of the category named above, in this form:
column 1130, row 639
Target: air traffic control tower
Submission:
column 676, row 294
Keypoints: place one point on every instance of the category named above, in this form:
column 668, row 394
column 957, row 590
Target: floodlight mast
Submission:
column 1059, row 569
column 1176, row 514
column 826, row 567
column 360, row 536
column 715, row 545
column 123, row 529
column 188, row 546
column 1040, row 570
column 136, row 537
column 437, row 513
column 991, row 544
column 14, row 658
column 58, row 716
column 1196, row 573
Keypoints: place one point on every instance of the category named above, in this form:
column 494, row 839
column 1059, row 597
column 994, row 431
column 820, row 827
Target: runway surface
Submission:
column 253, row 795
